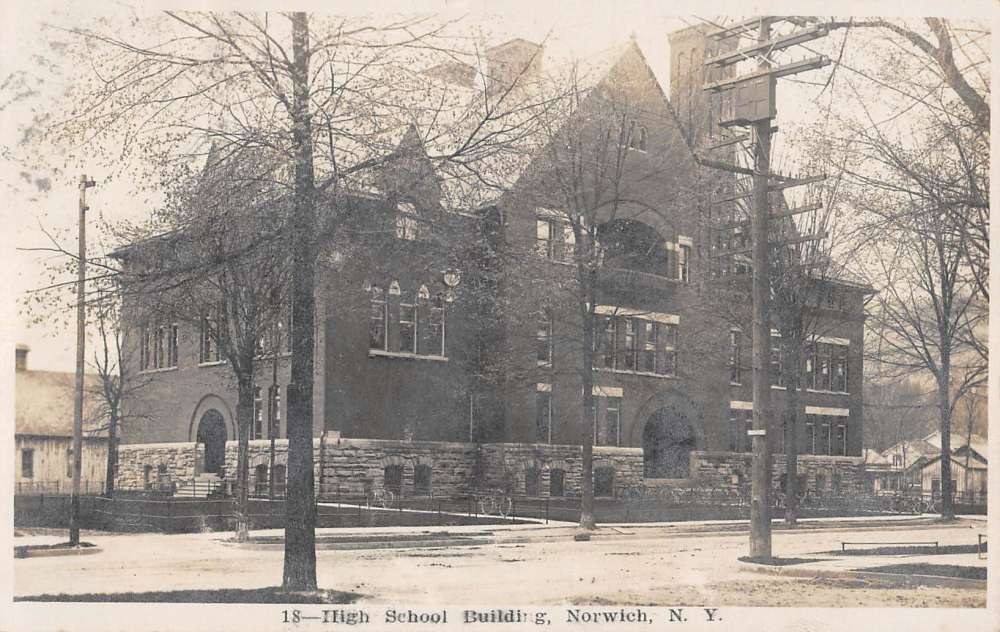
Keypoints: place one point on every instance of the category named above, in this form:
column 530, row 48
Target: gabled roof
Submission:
column 44, row 402
column 958, row 440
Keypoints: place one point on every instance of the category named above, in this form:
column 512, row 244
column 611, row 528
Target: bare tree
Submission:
column 911, row 142
column 329, row 95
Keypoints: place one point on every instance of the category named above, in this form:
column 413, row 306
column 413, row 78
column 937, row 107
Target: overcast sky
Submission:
column 573, row 29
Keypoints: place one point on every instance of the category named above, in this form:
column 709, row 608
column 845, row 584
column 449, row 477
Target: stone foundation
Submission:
column 168, row 462
column 352, row 466
column 820, row 473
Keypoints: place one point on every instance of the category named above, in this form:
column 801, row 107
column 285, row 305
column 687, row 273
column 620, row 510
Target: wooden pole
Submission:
column 81, row 315
column 760, row 506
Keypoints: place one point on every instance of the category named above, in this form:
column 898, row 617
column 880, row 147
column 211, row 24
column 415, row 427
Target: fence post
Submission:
column 546, row 510
column 440, row 522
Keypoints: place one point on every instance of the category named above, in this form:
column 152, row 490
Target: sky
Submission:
column 570, row 29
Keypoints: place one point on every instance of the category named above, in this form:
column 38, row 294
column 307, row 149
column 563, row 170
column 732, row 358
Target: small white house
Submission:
column 43, row 432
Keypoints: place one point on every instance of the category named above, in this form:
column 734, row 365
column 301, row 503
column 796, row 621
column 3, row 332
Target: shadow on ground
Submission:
column 780, row 561
column 223, row 595
column 936, row 570
column 926, row 549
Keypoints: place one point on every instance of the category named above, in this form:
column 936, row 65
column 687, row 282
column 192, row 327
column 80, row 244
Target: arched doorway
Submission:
column 667, row 441
column 212, row 434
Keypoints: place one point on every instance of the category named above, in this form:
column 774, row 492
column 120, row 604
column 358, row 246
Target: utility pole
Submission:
column 760, row 477
column 749, row 101
column 81, row 315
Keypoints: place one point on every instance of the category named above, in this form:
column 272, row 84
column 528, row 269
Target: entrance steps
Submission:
column 202, row 486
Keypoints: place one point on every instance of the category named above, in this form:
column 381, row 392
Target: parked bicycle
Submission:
column 380, row 497
column 495, row 502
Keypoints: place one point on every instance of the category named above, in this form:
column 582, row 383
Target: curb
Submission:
column 22, row 552
column 923, row 580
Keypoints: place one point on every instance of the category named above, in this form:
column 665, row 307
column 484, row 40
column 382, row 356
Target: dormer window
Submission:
column 406, row 221
column 637, row 137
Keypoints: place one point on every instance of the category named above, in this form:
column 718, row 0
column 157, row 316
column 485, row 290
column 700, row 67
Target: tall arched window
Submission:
column 377, row 319
column 407, row 322
column 435, row 329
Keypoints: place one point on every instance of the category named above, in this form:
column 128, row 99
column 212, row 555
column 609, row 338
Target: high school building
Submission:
column 423, row 386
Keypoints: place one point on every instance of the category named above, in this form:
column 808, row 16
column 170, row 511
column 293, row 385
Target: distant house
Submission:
column 915, row 464
column 43, row 431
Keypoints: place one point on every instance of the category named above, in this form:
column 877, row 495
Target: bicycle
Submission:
column 380, row 497
column 495, row 502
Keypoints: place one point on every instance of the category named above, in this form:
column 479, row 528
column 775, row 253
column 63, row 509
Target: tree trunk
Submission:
column 244, row 421
column 587, row 520
column 300, row 509
column 109, row 475
column 793, row 369
column 947, row 507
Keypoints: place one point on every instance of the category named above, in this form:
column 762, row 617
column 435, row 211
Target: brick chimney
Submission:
column 21, row 357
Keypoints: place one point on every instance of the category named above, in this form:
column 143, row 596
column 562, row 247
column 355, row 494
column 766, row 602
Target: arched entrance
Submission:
column 212, row 434
column 667, row 441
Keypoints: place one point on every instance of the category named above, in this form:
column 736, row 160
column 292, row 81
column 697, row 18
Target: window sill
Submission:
column 641, row 373
column 164, row 369
column 378, row 353
column 269, row 356
column 212, row 363
column 812, row 390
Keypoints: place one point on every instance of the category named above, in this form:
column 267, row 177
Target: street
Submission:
column 532, row 565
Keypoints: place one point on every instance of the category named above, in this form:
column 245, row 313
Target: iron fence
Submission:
column 33, row 488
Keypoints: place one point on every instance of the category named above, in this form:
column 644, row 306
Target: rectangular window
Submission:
column 839, row 383
column 734, row 431
column 684, row 263
column 543, row 342
column 435, row 333
column 172, row 345
column 406, row 222
column 747, row 427
column 825, row 436
column 257, row 432
column 810, row 372
column 158, row 348
column 145, row 361
column 27, row 463
column 407, row 324
column 608, row 342
column 631, row 349
column 569, row 244
column 840, row 440
column 777, row 362
column 649, row 346
column 612, row 421
column 735, row 358
column 822, row 367
column 669, row 367
column 811, row 436
column 543, row 417
column 208, row 347
column 545, row 231
column 378, row 314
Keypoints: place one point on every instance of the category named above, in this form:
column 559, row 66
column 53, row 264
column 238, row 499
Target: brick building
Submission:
column 407, row 390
